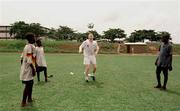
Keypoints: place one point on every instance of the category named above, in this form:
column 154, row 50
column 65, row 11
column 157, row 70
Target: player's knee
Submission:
column 95, row 67
column 87, row 67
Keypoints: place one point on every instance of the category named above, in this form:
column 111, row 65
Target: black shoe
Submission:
column 49, row 76
column 87, row 81
column 93, row 78
column 158, row 86
column 30, row 101
column 164, row 88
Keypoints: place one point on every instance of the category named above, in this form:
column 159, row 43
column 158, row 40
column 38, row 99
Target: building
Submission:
column 136, row 47
column 4, row 32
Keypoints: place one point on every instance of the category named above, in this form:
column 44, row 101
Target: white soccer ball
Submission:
column 71, row 73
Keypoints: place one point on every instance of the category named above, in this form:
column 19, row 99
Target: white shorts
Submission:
column 89, row 60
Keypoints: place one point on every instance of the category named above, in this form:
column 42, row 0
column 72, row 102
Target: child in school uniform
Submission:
column 27, row 72
column 40, row 60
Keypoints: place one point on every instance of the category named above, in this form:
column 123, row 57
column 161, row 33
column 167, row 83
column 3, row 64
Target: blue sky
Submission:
column 130, row 15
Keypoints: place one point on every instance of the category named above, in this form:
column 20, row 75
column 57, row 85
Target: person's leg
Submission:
column 45, row 74
column 30, row 87
column 158, row 77
column 93, row 62
column 87, row 68
column 25, row 94
column 165, row 72
column 94, row 71
column 38, row 73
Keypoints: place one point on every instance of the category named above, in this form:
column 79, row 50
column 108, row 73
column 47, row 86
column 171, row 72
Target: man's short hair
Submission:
column 166, row 36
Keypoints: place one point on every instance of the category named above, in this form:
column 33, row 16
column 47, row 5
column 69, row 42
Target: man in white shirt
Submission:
column 90, row 50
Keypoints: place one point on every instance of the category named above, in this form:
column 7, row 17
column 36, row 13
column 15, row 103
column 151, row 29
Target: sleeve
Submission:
column 96, row 45
column 83, row 45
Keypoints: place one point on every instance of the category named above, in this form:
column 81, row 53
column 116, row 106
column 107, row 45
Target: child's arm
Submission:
column 21, row 58
column 97, row 50
column 170, row 65
column 156, row 61
column 33, row 70
column 170, row 58
column 80, row 49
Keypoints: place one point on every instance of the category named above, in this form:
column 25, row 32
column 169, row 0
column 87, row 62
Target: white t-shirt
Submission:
column 28, row 56
column 89, row 48
column 40, row 57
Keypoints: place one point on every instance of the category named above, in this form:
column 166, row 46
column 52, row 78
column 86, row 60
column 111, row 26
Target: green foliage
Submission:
column 140, row 35
column 52, row 34
column 19, row 29
column 114, row 33
column 80, row 36
column 37, row 29
column 65, row 33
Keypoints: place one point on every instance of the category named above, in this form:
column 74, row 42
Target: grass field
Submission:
column 124, row 83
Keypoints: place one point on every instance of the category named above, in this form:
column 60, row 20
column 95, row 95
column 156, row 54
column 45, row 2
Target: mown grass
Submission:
column 124, row 83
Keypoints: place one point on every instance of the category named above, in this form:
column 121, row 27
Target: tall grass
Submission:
column 62, row 46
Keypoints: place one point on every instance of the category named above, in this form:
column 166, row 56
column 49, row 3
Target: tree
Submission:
column 19, row 29
column 65, row 33
column 114, row 33
column 52, row 34
column 140, row 35
column 37, row 29
column 80, row 36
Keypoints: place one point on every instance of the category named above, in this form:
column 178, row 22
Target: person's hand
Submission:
column 155, row 63
column 21, row 61
column 170, row 68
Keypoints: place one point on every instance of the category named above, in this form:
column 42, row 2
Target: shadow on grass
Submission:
column 41, row 83
column 95, row 83
column 29, row 107
column 173, row 92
